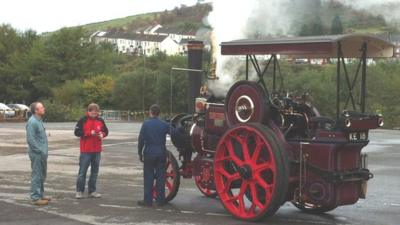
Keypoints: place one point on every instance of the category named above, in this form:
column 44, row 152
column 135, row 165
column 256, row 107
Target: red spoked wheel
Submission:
column 172, row 178
column 205, row 181
column 251, row 175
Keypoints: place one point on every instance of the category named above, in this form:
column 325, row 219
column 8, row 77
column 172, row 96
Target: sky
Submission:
column 50, row 15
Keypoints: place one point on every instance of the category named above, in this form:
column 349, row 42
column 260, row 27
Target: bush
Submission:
column 57, row 112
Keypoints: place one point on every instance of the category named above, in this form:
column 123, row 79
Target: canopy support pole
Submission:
column 363, row 78
column 339, row 50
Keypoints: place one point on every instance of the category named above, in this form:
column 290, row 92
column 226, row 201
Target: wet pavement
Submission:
column 120, row 182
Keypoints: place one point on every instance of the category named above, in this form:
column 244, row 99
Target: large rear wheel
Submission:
column 251, row 175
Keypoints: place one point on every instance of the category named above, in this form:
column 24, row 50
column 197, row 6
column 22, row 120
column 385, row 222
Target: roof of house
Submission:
column 176, row 30
column 310, row 46
column 136, row 37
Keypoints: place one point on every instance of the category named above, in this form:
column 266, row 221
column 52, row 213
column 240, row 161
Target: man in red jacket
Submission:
column 91, row 129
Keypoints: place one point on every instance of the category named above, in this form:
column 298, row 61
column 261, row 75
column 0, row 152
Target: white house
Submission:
column 138, row 43
column 179, row 35
column 176, row 34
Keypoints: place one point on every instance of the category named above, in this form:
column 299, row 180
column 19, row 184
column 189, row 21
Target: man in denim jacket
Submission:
column 37, row 151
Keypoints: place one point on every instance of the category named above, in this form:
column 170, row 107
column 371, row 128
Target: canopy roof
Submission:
column 311, row 46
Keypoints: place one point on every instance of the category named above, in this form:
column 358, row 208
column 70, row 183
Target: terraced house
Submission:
column 147, row 41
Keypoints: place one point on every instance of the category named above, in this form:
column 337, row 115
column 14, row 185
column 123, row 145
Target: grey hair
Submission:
column 33, row 107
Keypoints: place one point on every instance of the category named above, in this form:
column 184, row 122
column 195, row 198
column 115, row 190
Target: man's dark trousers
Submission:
column 154, row 168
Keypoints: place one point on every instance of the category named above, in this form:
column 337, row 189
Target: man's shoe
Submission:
column 142, row 203
column 47, row 198
column 94, row 195
column 40, row 202
column 79, row 195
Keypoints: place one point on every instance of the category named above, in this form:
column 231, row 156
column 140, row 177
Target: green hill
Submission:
column 183, row 17
column 315, row 13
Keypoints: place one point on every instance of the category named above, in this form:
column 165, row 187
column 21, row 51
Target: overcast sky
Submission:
column 50, row 15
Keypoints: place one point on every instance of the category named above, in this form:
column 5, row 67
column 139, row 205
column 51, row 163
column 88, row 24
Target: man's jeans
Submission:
column 154, row 168
column 86, row 159
column 39, row 171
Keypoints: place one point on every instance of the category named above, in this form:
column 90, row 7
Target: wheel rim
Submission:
column 170, row 179
column 244, row 163
column 170, row 176
column 204, row 181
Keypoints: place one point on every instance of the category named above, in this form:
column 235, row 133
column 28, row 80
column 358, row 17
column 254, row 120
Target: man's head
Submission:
column 155, row 110
column 37, row 108
column 93, row 110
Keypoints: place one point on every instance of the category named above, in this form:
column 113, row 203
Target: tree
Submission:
column 305, row 30
column 337, row 26
column 317, row 27
column 70, row 93
column 98, row 89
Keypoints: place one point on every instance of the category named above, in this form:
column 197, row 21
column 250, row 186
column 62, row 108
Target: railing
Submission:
column 119, row 115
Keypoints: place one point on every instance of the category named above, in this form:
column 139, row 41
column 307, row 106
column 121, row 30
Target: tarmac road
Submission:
column 120, row 182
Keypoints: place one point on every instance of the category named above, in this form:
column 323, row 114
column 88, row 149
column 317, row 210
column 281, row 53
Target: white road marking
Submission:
column 187, row 212
column 119, row 206
column 393, row 204
column 217, row 214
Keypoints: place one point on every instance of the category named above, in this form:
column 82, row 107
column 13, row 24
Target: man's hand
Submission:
column 93, row 132
column 100, row 135
column 141, row 158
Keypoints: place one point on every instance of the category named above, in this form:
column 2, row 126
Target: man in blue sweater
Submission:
column 37, row 151
column 153, row 153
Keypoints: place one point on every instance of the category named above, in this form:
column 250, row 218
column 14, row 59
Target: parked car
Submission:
column 20, row 109
column 6, row 111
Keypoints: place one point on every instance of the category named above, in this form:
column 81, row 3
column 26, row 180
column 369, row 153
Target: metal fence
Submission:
column 119, row 115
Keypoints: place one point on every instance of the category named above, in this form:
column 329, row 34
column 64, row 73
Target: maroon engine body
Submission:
column 256, row 151
column 333, row 172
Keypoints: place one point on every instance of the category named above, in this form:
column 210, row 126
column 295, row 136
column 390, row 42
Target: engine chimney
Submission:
column 195, row 62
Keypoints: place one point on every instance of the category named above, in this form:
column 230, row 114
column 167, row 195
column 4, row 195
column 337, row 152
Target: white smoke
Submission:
column 240, row 19
column 388, row 9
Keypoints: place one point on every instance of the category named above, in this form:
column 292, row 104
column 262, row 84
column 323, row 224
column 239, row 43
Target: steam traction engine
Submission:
column 257, row 149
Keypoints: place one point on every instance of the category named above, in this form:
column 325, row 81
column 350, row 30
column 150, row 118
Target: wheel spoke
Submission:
column 243, row 189
column 230, row 178
column 235, row 159
column 246, row 154
column 169, row 175
column 225, row 158
column 263, row 166
column 254, row 196
column 243, row 142
column 169, row 185
column 242, row 206
column 263, row 183
column 257, row 150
